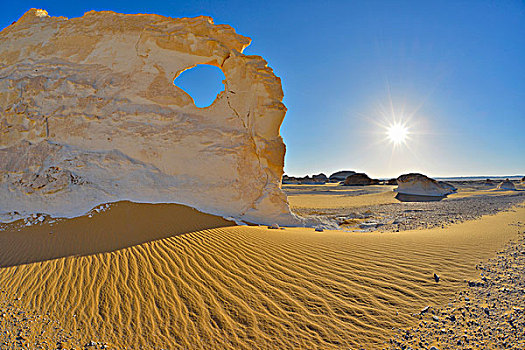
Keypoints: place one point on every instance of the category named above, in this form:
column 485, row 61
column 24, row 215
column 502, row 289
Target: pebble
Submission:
column 436, row 278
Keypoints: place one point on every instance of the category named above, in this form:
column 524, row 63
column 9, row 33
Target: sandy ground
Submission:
column 135, row 280
column 489, row 314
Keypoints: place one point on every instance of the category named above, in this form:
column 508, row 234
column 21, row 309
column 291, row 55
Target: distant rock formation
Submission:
column 523, row 179
column 421, row 185
column 506, row 185
column 340, row 175
column 90, row 114
column 391, row 182
column 359, row 179
column 305, row 180
column 320, row 178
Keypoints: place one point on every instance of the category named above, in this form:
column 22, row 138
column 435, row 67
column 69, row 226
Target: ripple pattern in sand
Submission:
column 250, row 287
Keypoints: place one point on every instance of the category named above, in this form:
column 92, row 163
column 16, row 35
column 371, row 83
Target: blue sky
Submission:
column 453, row 72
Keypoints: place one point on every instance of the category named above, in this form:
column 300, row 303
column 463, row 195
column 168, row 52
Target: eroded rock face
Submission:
column 421, row 185
column 89, row 114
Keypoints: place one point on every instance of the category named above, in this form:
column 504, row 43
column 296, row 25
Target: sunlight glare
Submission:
column 397, row 133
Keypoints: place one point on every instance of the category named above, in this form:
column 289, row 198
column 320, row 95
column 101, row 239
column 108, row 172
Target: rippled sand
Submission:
column 131, row 284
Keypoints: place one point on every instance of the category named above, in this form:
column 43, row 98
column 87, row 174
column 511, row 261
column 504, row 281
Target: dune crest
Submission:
column 105, row 229
column 91, row 115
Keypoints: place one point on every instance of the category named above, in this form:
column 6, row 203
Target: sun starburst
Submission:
column 397, row 133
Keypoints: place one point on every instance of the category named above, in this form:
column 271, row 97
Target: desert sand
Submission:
column 489, row 314
column 230, row 287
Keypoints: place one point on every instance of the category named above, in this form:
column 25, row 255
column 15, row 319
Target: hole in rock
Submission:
column 202, row 82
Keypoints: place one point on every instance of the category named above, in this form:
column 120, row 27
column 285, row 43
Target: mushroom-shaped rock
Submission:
column 94, row 98
column 359, row 179
column 421, row 185
column 340, row 175
column 506, row 185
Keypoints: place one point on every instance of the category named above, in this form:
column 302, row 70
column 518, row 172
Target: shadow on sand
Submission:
column 124, row 225
column 417, row 198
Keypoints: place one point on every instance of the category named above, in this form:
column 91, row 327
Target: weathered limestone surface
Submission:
column 89, row 114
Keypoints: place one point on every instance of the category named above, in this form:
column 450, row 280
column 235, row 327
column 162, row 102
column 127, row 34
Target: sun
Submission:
column 397, row 133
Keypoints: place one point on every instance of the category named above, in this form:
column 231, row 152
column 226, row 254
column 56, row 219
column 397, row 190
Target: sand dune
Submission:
column 250, row 287
column 126, row 224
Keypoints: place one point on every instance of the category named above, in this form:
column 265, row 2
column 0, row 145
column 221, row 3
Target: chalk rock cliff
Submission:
column 89, row 114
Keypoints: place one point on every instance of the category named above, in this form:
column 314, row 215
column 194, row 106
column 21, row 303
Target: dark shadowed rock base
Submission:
column 402, row 197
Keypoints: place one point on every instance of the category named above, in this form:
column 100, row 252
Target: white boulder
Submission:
column 506, row 185
column 421, row 185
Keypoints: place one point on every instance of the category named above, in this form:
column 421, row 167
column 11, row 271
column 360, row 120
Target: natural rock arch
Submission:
column 203, row 83
column 110, row 105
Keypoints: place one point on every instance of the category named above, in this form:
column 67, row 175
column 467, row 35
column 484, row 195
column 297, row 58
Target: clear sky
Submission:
column 452, row 72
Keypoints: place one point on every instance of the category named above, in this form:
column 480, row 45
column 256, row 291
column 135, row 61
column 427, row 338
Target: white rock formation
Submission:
column 506, row 185
column 89, row 114
column 421, row 185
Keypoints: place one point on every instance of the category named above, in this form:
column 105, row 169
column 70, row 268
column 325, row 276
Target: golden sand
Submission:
column 238, row 287
column 331, row 196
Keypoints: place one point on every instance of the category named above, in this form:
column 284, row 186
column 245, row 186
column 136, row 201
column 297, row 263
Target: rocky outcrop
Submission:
column 320, row 178
column 340, row 175
column 359, row 179
column 89, row 114
column 305, row 180
column 421, row 185
column 506, row 185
